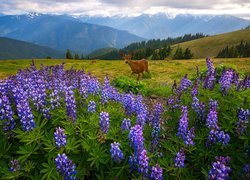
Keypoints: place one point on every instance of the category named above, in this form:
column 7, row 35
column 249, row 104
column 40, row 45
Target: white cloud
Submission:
column 240, row 8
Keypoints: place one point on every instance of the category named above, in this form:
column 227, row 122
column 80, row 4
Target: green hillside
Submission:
column 15, row 49
column 101, row 52
column 210, row 46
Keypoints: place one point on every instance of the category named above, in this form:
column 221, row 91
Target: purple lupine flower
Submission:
column 116, row 153
column 15, row 166
column 143, row 161
column 70, row 103
column 194, row 91
column 23, row 109
column 212, row 119
column 65, row 166
column 156, row 126
column 210, row 65
column 241, row 125
column 136, row 137
column 199, row 108
column 133, row 163
column 6, row 113
column 127, row 102
column 180, row 159
column 93, row 86
column 60, row 137
column 189, row 137
column 213, row 104
column 92, row 106
column 216, row 135
column 141, row 118
column 223, row 138
column 185, row 83
column 220, row 168
column 104, row 122
column 156, row 173
column 225, row 80
column 170, row 101
column 126, row 124
column 183, row 123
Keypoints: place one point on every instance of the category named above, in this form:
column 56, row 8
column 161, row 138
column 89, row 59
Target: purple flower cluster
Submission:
column 60, row 137
column 220, row 168
column 209, row 80
column 70, row 103
column 116, row 153
column 156, row 173
column 215, row 133
column 245, row 173
column 126, row 124
column 92, row 106
column 183, row 132
column 6, row 113
column 156, row 126
column 199, row 108
column 14, row 165
column 185, row 83
column 180, row 159
column 23, row 109
column 136, row 137
column 104, row 122
column 241, row 125
column 127, row 101
column 65, row 166
column 143, row 162
column 226, row 80
column 213, row 104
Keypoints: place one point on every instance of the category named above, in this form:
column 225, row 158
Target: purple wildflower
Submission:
column 220, row 168
column 156, row 173
column 212, row 119
column 225, row 80
column 60, row 137
column 185, row 83
column 199, row 108
column 189, row 137
column 65, row 166
column 180, row 159
column 126, row 124
column 194, row 91
column 143, row 161
column 183, row 123
column 213, row 104
column 210, row 65
column 104, row 122
column 15, row 166
column 241, row 125
column 70, row 103
column 92, row 106
column 216, row 135
column 136, row 137
column 116, row 153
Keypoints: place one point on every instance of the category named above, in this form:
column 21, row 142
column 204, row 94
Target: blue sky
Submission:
column 239, row 8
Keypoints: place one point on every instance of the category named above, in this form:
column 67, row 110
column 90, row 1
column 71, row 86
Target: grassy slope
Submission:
column 101, row 52
column 210, row 46
column 15, row 49
column 162, row 72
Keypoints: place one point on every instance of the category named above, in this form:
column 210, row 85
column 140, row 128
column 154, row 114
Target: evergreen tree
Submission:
column 68, row 54
column 77, row 56
column 187, row 54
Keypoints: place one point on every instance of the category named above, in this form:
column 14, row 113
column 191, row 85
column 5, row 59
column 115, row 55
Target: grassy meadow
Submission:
column 210, row 46
column 162, row 72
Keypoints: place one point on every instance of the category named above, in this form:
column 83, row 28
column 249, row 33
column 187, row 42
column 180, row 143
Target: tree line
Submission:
column 241, row 50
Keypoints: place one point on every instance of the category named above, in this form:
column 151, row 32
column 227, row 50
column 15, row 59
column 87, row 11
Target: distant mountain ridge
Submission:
column 63, row 32
column 162, row 25
column 14, row 49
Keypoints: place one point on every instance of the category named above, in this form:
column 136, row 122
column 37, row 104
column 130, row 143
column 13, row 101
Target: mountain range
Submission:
column 161, row 25
column 14, row 49
column 62, row 32
column 85, row 34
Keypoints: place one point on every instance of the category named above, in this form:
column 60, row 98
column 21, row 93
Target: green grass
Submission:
column 210, row 46
column 162, row 73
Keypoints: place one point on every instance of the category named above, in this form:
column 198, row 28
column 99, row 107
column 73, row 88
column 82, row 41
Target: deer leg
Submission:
column 138, row 77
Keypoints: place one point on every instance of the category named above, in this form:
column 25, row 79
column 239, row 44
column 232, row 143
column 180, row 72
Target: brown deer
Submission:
column 138, row 66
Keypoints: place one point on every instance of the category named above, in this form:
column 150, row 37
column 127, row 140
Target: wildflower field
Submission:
column 59, row 123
